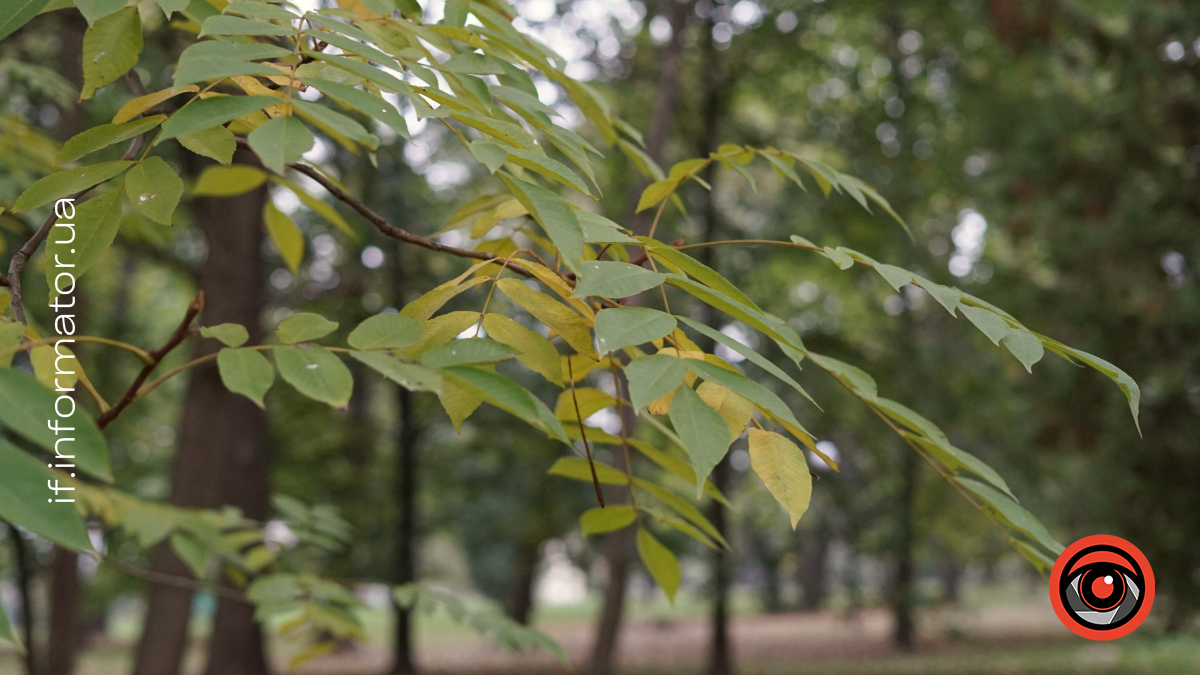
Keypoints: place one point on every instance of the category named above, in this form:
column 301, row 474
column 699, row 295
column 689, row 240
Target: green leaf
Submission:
column 683, row 508
column 411, row 376
column 840, row 259
column 230, row 334
column 1124, row 382
column 353, row 47
column 207, row 67
column 103, row 136
column 660, row 562
column 233, row 25
column 473, row 63
column 698, row 271
column 750, row 355
column 304, row 327
column 610, row 279
column 953, row 459
column 466, row 351
column 26, row 500
column 576, row 468
column 364, row 102
column 753, row 317
column 170, row 6
column 234, row 49
column 991, row 323
column 221, row 181
column 286, row 236
column 555, row 216
column 534, row 351
column 154, row 189
column 655, row 193
column 210, row 112
column 386, row 331
column 748, row 389
column 193, row 553
column 1012, row 513
column 338, row 122
column 572, row 327
column 280, row 142
column 600, row 230
column 423, row 307
column 911, row 419
column 363, row 70
column 896, row 276
column 554, row 170
column 259, row 10
column 607, row 519
column 620, row 327
column 703, row 431
column 1025, row 346
column 489, row 154
column 13, row 15
column 95, row 227
column 781, row 466
column 508, row 396
column 110, row 47
column 10, row 339
column 947, row 296
column 246, row 372
column 24, row 406
column 859, row 380
column 317, row 373
column 459, row 400
column 66, row 182
column 653, row 377
column 216, row 143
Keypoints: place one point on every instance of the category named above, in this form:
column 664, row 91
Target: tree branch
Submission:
column 390, row 230
column 156, row 356
column 178, row 582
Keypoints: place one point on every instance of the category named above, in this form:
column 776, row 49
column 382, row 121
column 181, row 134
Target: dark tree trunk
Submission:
column 813, row 545
column 519, row 606
column 903, row 591
column 772, row 583
column 720, row 658
column 618, row 547
column 407, row 435
column 951, row 576
column 215, row 420
column 65, row 636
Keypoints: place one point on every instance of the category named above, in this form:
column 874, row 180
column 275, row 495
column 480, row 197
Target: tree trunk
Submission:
column 720, row 658
column 215, row 420
column 519, row 606
column 813, row 545
column 618, row 546
column 20, row 554
column 903, row 591
column 407, row 435
column 951, row 577
column 65, row 637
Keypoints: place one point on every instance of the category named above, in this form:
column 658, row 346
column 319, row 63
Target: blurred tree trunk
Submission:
column 519, row 606
column 720, row 659
column 618, row 546
column 903, row 591
column 407, row 438
column 64, row 570
column 235, row 236
column 951, row 574
column 20, row 554
column 769, row 559
column 813, row 546
column 215, row 420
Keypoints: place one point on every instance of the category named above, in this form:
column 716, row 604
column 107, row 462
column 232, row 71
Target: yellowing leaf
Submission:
column 660, row 562
column 220, row 181
column 607, row 519
column 558, row 317
column 536, row 352
column 781, row 466
column 736, row 410
column 286, row 235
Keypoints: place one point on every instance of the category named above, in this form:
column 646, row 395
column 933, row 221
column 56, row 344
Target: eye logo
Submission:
column 1102, row 587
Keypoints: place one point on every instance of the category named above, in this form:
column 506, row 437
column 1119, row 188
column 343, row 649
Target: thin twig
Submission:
column 178, row 582
column 583, row 434
column 156, row 356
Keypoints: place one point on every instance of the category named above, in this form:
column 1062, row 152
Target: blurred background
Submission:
column 1045, row 155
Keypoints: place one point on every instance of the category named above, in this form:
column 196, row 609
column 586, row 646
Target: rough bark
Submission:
column 215, row 420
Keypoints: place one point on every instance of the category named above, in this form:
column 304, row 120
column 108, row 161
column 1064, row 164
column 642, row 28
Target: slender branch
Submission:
column 583, row 434
column 750, row 242
column 156, row 356
column 22, row 256
column 178, row 582
column 132, row 349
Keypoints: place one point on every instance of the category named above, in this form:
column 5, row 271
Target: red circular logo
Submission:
column 1102, row 587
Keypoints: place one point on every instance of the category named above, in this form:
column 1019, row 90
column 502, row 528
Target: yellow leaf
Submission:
column 572, row 327
column 286, row 235
column 536, row 352
column 660, row 562
column 141, row 104
column 736, row 410
column 781, row 466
